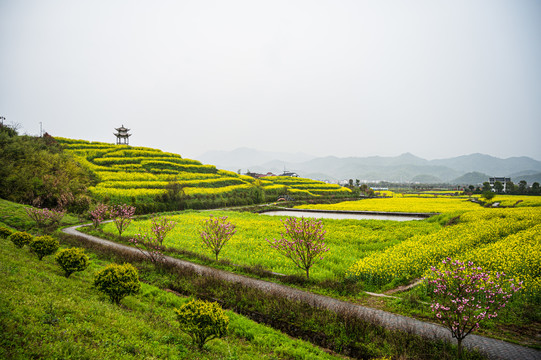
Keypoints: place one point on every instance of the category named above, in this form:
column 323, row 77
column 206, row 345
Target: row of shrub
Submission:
column 201, row 320
column 70, row 260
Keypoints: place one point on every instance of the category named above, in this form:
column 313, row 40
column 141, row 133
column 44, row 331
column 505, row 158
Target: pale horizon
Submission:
column 438, row 79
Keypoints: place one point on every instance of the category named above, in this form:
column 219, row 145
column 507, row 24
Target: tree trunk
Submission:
column 459, row 348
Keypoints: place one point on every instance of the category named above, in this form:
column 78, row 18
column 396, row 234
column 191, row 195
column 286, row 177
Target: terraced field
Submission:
column 142, row 176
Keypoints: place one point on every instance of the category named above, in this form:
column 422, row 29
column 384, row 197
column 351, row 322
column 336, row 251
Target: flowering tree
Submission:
column 303, row 243
column 160, row 227
column 149, row 246
column 45, row 218
column 122, row 216
column 465, row 295
column 99, row 214
column 216, row 233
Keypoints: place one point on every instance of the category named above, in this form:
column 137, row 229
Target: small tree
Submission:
column 202, row 321
column 216, row 232
column 20, row 238
column 99, row 214
column 498, row 186
column 465, row 295
column 46, row 219
column 72, row 260
column 117, row 281
column 160, row 227
column 44, row 245
column 122, row 217
column 149, row 246
column 303, row 243
column 488, row 195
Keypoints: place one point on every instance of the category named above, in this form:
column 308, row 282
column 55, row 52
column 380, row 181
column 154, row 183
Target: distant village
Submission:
column 258, row 176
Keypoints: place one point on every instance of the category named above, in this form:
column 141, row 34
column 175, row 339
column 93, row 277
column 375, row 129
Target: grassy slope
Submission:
column 45, row 315
column 13, row 215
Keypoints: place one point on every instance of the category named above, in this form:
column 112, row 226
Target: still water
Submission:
column 331, row 215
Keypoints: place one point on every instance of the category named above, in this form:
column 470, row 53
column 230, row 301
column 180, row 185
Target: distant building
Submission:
column 257, row 176
column 122, row 136
column 289, row 173
column 502, row 180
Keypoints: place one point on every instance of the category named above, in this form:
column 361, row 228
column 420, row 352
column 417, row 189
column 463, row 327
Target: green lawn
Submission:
column 14, row 215
column 45, row 315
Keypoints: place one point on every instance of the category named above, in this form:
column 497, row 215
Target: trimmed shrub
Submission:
column 44, row 245
column 203, row 321
column 5, row 232
column 20, row 238
column 72, row 260
column 117, row 281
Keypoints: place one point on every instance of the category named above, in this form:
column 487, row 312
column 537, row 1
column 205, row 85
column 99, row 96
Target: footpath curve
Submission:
column 492, row 348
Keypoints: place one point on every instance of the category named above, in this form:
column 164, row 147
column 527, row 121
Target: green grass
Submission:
column 14, row 215
column 45, row 315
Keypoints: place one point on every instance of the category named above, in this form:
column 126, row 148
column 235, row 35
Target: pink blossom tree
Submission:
column 216, row 232
column 149, row 246
column 161, row 226
column 99, row 214
column 122, row 217
column 464, row 296
column 45, row 219
column 303, row 242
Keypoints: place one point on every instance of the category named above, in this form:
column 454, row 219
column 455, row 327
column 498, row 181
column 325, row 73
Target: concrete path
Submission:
column 494, row 349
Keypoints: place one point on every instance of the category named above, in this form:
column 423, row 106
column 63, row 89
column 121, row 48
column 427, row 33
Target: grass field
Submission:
column 14, row 215
column 45, row 315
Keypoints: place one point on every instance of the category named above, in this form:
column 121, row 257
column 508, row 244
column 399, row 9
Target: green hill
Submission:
column 154, row 180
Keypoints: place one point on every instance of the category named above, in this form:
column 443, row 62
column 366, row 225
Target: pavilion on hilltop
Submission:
column 122, row 136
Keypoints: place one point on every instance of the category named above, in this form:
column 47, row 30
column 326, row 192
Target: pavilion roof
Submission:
column 122, row 129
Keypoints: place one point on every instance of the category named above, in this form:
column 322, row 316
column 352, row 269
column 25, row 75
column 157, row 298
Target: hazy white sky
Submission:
column 346, row 78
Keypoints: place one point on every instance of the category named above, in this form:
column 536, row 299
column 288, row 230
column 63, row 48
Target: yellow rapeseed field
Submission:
column 401, row 204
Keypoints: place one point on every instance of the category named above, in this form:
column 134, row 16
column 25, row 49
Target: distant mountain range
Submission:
column 467, row 169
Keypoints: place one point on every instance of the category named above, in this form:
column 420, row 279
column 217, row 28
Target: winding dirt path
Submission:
column 494, row 349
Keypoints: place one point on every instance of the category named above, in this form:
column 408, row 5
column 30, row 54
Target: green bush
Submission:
column 44, row 245
column 5, row 232
column 72, row 260
column 20, row 238
column 202, row 320
column 118, row 281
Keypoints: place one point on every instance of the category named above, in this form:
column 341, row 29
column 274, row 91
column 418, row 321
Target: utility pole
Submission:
column 40, row 129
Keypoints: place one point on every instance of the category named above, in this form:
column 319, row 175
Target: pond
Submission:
column 347, row 215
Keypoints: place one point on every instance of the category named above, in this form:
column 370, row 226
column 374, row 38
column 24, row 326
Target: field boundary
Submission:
column 410, row 214
column 492, row 348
